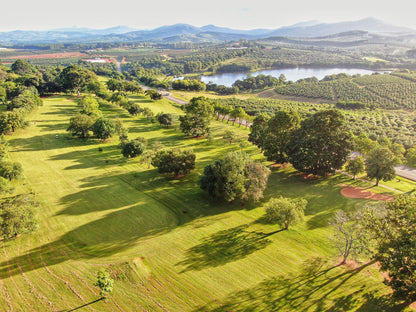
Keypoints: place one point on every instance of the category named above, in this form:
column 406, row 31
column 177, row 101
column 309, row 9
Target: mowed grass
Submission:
column 166, row 245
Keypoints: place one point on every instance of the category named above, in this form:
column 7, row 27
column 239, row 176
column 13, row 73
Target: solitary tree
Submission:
column 235, row 176
column 350, row 237
column 355, row 166
column 90, row 106
column 147, row 157
column 380, row 164
column 135, row 109
column 133, row 149
column 154, row 95
column 104, row 283
column 285, row 211
column 147, row 112
column 103, row 128
column 165, row 119
column 229, row 136
column 80, row 125
column 198, row 114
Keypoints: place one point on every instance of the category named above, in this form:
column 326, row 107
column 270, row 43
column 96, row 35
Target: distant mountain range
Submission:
column 189, row 33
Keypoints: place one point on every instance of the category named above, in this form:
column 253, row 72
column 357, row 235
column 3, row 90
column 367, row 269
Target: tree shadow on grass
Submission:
column 224, row 247
column 47, row 142
column 311, row 290
column 99, row 238
column 91, row 158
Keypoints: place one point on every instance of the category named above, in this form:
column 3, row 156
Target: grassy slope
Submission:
column 168, row 247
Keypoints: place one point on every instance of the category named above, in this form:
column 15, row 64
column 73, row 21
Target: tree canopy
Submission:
column 322, row 143
column 174, row 161
column 395, row 233
column 278, row 133
column 380, row 164
column 198, row 114
column 285, row 211
column 235, row 176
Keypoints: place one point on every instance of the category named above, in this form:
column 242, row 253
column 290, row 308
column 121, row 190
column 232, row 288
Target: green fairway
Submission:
column 167, row 247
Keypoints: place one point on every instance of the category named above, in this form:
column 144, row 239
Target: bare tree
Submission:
column 350, row 237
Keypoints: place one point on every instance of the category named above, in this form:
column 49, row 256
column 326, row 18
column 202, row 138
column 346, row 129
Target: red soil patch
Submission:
column 358, row 192
column 48, row 56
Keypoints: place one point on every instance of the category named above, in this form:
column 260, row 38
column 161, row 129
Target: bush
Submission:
column 174, row 162
column 133, row 149
column 11, row 170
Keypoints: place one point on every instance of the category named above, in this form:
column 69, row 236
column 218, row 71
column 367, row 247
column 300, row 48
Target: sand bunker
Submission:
column 358, row 192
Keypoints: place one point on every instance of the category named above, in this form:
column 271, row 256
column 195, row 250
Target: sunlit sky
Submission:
column 242, row 14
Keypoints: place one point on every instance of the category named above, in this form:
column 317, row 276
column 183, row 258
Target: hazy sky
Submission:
column 242, row 14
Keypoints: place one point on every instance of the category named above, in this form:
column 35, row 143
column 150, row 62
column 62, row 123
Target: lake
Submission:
column 294, row 74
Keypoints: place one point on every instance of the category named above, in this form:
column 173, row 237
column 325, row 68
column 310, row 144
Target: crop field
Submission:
column 166, row 245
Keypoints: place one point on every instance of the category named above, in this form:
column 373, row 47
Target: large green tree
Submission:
column 104, row 283
column 80, row 125
column 75, row 78
column 380, row 164
column 395, row 233
column 235, row 176
column 278, row 133
column 103, row 128
column 165, row 119
column 90, row 106
column 257, row 130
column 11, row 170
column 198, row 114
column 285, row 211
column 321, row 145
column 11, row 121
column 133, row 148
column 21, row 67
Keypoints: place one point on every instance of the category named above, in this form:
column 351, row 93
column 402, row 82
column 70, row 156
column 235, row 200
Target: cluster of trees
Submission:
column 377, row 160
column 221, row 89
column 90, row 119
column 259, row 82
column 123, row 86
column 18, row 213
column 188, row 85
column 19, row 93
column 316, row 145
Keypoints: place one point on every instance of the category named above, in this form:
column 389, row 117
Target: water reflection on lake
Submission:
column 293, row 74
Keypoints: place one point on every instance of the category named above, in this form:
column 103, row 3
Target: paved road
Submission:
column 401, row 171
column 405, row 172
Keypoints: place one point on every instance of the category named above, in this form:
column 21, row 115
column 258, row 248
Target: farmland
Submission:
column 166, row 245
